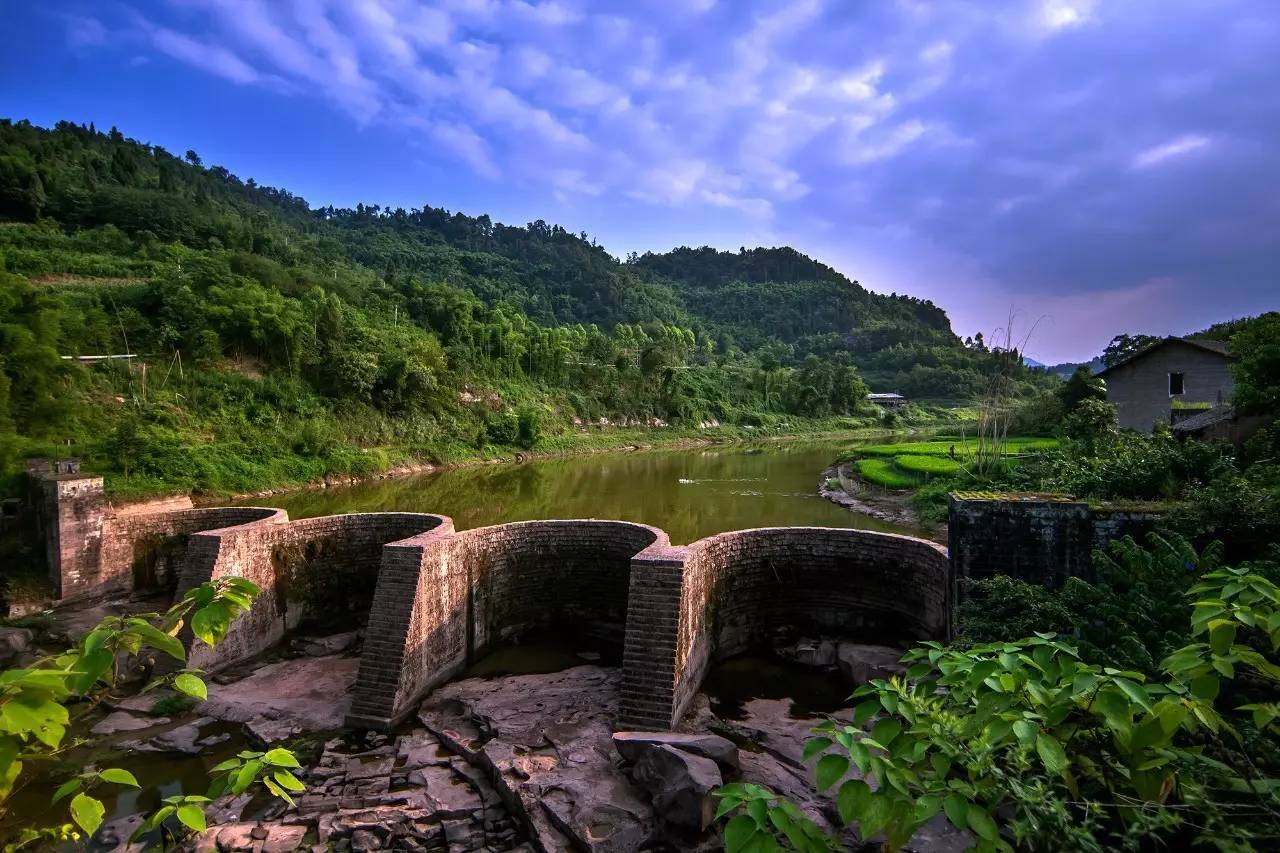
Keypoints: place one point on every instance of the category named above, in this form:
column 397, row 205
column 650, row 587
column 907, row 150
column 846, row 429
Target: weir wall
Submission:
column 435, row 598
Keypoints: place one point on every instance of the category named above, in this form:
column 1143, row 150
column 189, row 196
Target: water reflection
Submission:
column 688, row 493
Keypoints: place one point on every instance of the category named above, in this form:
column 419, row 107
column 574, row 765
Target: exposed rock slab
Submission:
column 862, row 663
column 546, row 742
column 287, row 698
column 122, row 721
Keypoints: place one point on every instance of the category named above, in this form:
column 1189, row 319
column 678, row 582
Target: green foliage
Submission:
column 36, row 701
column 1123, row 347
column 1256, row 367
column 285, row 345
column 1091, row 421
column 882, row 472
column 1082, row 385
column 1128, row 465
column 928, row 465
column 762, row 818
column 1028, row 746
column 1131, row 618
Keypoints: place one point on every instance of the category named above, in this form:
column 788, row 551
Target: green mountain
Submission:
column 274, row 342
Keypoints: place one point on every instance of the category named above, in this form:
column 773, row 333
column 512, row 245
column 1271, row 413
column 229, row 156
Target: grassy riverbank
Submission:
column 278, row 462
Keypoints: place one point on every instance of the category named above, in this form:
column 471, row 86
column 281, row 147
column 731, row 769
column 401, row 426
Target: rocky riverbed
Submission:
column 513, row 762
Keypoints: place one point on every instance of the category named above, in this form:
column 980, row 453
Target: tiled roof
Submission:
column 1217, row 347
column 1205, row 419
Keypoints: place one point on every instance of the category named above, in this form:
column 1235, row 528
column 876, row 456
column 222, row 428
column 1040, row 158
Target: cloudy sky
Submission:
column 1097, row 165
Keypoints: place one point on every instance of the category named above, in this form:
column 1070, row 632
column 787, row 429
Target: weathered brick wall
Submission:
column 141, row 549
column 72, row 509
column 1035, row 538
column 284, row 557
column 476, row 588
column 732, row 592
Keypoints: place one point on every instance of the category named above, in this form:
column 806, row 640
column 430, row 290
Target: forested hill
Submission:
column 383, row 326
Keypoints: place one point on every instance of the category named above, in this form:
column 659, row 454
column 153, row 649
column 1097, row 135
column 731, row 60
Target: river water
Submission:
column 690, row 493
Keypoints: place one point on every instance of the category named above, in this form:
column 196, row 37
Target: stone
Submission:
column 282, row 838
column 862, row 663
column 321, row 646
column 286, row 698
column 812, row 652
column 122, row 721
column 632, row 745
column 13, row 642
column 546, row 743
column 363, row 840
column 236, row 836
column 680, row 785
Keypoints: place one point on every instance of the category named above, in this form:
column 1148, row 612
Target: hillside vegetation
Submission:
column 275, row 343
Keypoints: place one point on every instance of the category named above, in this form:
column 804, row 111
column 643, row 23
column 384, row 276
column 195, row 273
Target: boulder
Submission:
column 811, row 652
column 862, row 663
column 319, row 646
column 122, row 721
column 632, row 745
column 680, row 785
column 13, row 642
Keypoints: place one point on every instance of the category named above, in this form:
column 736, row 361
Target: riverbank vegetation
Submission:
column 257, row 342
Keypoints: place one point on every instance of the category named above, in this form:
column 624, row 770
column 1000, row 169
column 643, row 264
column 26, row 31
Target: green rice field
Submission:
column 909, row 464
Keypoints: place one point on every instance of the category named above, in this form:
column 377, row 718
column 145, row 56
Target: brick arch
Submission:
column 444, row 598
column 725, row 594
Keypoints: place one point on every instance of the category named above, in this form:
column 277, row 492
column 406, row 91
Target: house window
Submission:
column 1175, row 384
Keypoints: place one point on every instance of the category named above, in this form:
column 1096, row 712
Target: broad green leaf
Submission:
column 119, row 777
column 957, row 809
column 1026, row 731
column 1051, row 753
column 158, row 639
column 738, row 832
column 280, row 757
column 192, row 816
column 831, row 768
column 66, row 788
column 852, row 800
column 244, row 778
column 886, row 730
column 191, row 685
column 87, row 812
column 981, row 823
column 816, row 745
column 727, row 804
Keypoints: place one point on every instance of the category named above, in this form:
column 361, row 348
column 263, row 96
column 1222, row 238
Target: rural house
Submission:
column 1177, row 375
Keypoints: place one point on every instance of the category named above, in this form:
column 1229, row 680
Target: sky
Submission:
column 1090, row 166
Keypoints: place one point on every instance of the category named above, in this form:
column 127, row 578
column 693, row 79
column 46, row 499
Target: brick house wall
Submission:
column 1139, row 388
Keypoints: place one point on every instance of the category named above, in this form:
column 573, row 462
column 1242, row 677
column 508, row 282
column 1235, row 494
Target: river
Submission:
column 689, row 493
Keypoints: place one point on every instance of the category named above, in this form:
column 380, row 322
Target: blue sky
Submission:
column 1097, row 165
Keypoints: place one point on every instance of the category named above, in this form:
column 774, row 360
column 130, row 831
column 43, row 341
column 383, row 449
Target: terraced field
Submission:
column 906, row 465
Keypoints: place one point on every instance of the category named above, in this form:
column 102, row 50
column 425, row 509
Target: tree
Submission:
column 1256, row 368
column 1082, row 385
column 1126, row 346
column 193, row 158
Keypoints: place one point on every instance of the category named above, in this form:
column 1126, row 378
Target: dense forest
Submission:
column 273, row 342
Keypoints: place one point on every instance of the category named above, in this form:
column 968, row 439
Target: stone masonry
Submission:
column 437, row 598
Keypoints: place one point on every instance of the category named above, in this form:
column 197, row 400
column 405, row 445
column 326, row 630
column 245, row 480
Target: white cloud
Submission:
column 1169, row 150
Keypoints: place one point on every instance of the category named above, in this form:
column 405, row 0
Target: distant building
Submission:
column 888, row 401
column 1221, row 423
column 1177, row 375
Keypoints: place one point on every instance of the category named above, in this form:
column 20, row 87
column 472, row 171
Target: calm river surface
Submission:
column 689, row 493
